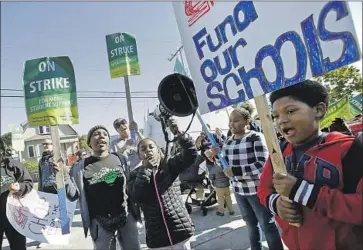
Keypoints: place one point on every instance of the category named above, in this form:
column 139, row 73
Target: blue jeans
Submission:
column 256, row 217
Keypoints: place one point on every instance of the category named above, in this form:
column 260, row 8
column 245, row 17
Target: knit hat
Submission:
column 90, row 132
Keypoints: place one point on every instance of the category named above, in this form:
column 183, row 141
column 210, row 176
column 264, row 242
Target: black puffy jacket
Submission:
column 142, row 189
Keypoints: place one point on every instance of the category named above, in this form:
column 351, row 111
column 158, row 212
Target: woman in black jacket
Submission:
column 15, row 179
column 156, row 188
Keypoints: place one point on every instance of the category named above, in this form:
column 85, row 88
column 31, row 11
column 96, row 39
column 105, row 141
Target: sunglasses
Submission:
column 119, row 122
column 46, row 144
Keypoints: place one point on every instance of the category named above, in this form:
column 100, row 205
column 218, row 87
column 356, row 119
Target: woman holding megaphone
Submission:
column 156, row 188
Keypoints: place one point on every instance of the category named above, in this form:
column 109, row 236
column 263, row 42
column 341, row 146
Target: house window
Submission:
column 31, row 151
column 44, row 130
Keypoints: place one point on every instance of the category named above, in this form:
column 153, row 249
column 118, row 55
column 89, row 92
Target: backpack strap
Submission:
column 352, row 166
column 133, row 206
column 123, row 164
column 283, row 145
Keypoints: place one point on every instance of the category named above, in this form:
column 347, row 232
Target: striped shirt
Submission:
column 246, row 157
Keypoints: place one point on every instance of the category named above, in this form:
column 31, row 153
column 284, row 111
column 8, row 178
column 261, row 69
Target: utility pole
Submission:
column 178, row 51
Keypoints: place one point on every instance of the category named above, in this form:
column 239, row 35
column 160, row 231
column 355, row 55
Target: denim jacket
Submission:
column 78, row 192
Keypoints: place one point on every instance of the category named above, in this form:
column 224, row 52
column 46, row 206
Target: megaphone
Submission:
column 176, row 94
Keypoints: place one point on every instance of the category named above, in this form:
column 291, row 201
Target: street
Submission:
column 212, row 232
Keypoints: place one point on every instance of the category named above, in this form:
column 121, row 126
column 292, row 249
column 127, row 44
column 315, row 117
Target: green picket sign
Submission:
column 356, row 104
column 122, row 55
column 50, row 91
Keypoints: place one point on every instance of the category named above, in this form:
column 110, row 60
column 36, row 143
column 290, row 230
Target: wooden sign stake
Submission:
column 64, row 220
column 272, row 142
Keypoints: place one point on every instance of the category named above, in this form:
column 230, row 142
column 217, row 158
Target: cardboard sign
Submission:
column 338, row 109
column 36, row 216
column 240, row 50
column 50, row 91
column 122, row 55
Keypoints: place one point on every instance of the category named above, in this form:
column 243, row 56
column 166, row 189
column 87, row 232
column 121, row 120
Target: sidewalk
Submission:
column 212, row 232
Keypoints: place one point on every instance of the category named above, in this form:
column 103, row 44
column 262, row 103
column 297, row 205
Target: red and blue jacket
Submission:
column 330, row 193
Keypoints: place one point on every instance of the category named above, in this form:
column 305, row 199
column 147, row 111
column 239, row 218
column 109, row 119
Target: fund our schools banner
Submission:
column 36, row 216
column 239, row 50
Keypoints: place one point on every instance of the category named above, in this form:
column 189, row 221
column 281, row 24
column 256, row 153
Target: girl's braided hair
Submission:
column 245, row 110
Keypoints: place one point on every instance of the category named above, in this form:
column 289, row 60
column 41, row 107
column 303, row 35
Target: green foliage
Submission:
column 31, row 166
column 341, row 82
column 83, row 143
column 7, row 139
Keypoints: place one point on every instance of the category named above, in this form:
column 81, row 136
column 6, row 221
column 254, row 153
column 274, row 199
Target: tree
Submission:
column 7, row 139
column 341, row 82
column 83, row 142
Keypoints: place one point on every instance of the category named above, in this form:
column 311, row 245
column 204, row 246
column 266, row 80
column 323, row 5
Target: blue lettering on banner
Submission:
column 306, row 46
column 301, row 56
column 350, row 52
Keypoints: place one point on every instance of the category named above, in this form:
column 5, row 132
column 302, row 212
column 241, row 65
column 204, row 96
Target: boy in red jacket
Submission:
column 324, row 181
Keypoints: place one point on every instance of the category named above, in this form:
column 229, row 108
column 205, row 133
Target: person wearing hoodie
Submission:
column 100, row 182
column 322, row 190
column 221, row 183
column 156, row 188
column 16, row 180
column 47, row 181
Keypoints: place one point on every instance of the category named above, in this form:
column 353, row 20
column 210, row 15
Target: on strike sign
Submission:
column 36, row 216
column 239, row 50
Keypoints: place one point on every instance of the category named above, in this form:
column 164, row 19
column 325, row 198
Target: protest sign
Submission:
column 122, row 55
column 50, row 91
column 240, row 50
column 356, row 104
column 338, row 109
column 124, row 62
column 17, row 140
column 36, row 216
column 179, row 67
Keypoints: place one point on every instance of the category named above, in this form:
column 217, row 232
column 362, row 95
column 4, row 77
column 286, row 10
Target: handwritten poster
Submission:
column 36, row 216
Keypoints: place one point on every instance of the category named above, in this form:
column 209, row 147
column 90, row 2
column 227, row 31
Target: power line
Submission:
column 92, row 91
column 93, row 97
column 176, row 53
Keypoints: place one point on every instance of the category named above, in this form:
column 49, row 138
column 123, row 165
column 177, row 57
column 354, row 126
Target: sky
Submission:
column 77, row 29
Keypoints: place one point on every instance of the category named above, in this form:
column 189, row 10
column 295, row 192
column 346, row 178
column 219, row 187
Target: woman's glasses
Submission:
column 118, row 123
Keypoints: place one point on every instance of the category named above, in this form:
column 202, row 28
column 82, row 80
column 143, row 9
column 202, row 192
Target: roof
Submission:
column 43, row 137
column 25, row 125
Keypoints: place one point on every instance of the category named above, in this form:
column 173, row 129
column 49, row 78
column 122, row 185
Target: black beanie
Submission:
column 90, row 132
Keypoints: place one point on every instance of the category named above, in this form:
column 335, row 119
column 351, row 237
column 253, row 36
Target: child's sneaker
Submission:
column 231, row 213
column 219, row 213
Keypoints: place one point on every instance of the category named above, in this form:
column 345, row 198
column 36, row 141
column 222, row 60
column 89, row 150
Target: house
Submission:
column 35, row 136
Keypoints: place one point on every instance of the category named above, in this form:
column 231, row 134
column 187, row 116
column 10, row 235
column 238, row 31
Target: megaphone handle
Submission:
column 213, row 142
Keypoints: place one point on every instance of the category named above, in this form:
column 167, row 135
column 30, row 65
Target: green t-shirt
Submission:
column 6, row 179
